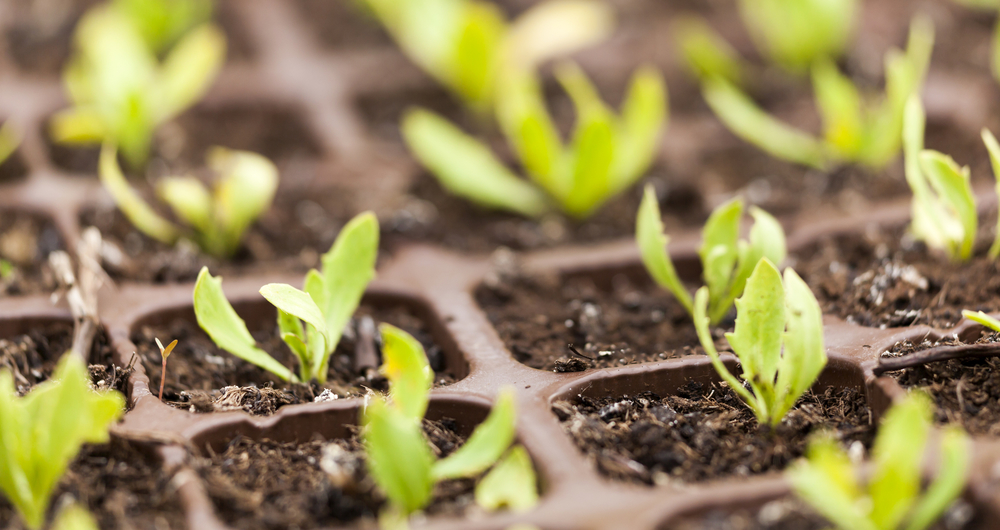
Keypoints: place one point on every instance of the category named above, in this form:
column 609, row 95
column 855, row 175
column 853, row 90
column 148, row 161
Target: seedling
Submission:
column 796, row 34
column 726, row 260
column 164, row 353
column 9, row 140
column 829, row 482
column 400, row 459
column 330, row 297
column 944, row 207
column 216, row 221
column 44, row 430
column 854, row 130
column 121, row 93
column 982, row 318
column 771, row 317
column 164, row 22
column 74, row 517
column 607, row 153
column 469, row 47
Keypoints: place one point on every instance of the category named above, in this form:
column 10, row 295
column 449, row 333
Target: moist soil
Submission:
column 966, row 390
column 25, row 243
column 704, row 432
column 268, row 485
column 121, row 486
column 203, row 378
column 13, row 169
column 543, row 319
column 340, row 26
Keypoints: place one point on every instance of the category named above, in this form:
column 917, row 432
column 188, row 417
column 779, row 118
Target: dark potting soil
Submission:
column 882, row 278
column 705, row 432
column 204, row 378
column 25, row 243
column 121, row 486
column 13, row 169
column 540, row 318
column 266, row 485
column 39, row 36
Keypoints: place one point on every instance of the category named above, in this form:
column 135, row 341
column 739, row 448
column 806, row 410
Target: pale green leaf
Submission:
column 826, row 481
column 189, row 199
column 591, row 155
column 705, row 52
column 140, row 214
column 486, row 444
column 74, row 517
column 398, row 457
column 796, row 34
column 219, row 320
column 927, row 214
column 78, row 125
column 295, row 302
column 10, row 138
column 245, row 191
column 472, row 65
column 652, row 243
column 949, row 483
column 804, row 356
column 511, row 483
column 767, row 240
column 718, row 249
column 189, row 69
column 405, row 365
column 162, row 22
column 954, row 190
column 643, row 115
column 994, row 149
column 529, row 129
column 701, row 323
column 315, row 285
column 839, row 105
column 899, row 447
column 982, row 318
column 556, row 28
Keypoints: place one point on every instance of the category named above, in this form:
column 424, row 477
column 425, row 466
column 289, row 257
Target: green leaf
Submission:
column 291, row 301
column 472, row 65
column 488, row 442
column 949, row 483
column 398, row 457
column 529, row 129
column 406, row 367
column 244, row 192
column 128, row 201
column 189, row 199
column 219, row 320
column 591, row 155
column 643, row 115
column 745, row 119
column 347, row 268
column 74, row 517
column 797, row 34
column 466, row 167
column 840, row 107
column 951, row 183
column 705, row 52
column 78, row 125
column 10, row 138
column 926, row 213
column 767, row 240
column 652, row 242
column 162, row 22
column 189, row 69
column 826, row 481
column 898, row 448
column 718, row 250
column 994, row 149
column 982, row 318
column 511, row 483
column 805, row 355
column 555, row 28
column 701, row 323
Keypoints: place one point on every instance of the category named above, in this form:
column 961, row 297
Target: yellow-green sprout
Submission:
column 164, row 22
column 798, row 33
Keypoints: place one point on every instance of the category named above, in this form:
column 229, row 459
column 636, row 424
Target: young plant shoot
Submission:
column 44, row 430
column 943, row 209
column 164, row 22
column 778, row 340
column 164, row 354
column 829, row 482
column 606, row 155
column 216, row 221
column 468, row 46
column 854, row 130
column 982, row 318
column 726, row 260
column 121, row 93
column 796, row 34
column 400, row 458
column 311, row 321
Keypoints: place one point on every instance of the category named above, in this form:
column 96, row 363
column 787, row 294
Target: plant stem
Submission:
column 163, row 377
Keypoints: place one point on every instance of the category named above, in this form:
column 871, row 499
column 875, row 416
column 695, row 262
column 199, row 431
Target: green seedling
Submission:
column 41, row 433
column 855, row 129
column 75, row 517
column 891, row 499
column 9, row 140
column 778, row 340
column 944, row 206
column 606, row 155
column 399, row 456
column 982, row 318
column 121, row 93
column 706, row 54
column 162, row 23
column 726, row 260
column 796, row 34
column 216, row 221
column 311, row 321
column 164, row 353
column 468, row 46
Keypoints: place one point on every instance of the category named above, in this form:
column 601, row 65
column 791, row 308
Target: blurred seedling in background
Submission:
column 162, row 23
column 10, row 138
column 890, row 499
column 943, row 210
column 469, row 47
column 797, row 34
column 982, row 318
column 121, row 93
column 74, row 517
column 778, row 340
column 727, row 261
column 399, row 456
column 164, row 353
column 243, row 191
column 44, row 430
column 989, row 5
column 329, row 299
column 606, row 155
column 856, row 129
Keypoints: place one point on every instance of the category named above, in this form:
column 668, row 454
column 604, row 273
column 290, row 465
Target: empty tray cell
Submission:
column 339, row 26
column 676, row 424
column 25, row 243
column 204, row 378
column 240, row 46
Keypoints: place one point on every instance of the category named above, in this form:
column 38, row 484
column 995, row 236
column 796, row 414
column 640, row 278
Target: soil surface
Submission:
column 122, row 487
column 341, row 25
column 204, row 378
column 966, row 391
column 25, row 243
column 13, row 169
column 268, row 485
column 543, row 319
column 705, row 432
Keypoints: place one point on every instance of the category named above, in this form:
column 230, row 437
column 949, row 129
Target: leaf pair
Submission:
column 854, row 130
column 778, row 340
column 163, row 22
column 244, row 190
column 891, row 500
column 311, row 321
column 121, row 93
column 606, row 155
column 41, row 433
column 796, row 34
column 727, row 260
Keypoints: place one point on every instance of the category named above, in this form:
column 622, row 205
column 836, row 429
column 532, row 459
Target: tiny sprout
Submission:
column 828, row 481
column 727, row 261
column 982, row 318
column 164, row 353
column 778, row 340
